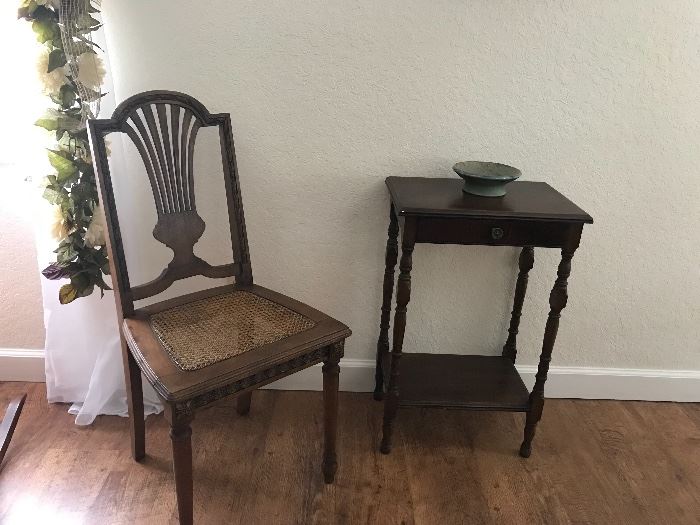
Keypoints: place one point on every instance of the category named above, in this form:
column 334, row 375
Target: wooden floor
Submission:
column 602, row 462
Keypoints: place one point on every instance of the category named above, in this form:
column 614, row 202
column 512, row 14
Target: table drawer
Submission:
column 492, row 232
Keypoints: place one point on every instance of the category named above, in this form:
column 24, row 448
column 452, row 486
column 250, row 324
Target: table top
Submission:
column 443, row 197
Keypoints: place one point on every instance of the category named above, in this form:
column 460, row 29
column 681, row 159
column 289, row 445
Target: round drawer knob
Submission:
column 497, row 233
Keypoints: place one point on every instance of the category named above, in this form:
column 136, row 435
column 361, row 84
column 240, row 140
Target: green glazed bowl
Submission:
column 486, row 179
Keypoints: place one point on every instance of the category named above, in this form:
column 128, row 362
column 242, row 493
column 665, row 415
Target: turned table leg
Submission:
column 526, row 262
column 403, row 295
column 392, row 253
column 557, row 302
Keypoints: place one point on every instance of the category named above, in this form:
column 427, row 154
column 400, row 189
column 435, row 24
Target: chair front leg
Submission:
column 180, row 436
column 331, row 373
column 243, row 403
column 134, row 397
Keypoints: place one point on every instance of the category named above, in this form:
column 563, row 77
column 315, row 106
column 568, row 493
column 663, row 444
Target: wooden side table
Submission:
column 430, row 210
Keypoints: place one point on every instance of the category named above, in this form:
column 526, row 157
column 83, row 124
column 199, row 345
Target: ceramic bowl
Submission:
column 486, row 179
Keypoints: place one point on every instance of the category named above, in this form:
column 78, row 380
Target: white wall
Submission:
column 328, row 97
column 21, row 323
column 22, row 157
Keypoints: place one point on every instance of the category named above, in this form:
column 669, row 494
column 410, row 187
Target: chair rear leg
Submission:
column 180, row 435
column 134, row 397
column 243, row 403
column 331, row 372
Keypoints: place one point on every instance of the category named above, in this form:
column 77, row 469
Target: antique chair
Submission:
column 223, row 341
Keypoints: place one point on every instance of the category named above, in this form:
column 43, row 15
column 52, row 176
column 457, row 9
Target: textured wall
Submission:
column 328, row 97
column 21, row 155
column 21, row 323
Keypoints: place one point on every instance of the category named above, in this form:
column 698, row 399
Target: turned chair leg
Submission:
column 134, row 397
column 243, row 403
column 331, row 372
column 180, row 435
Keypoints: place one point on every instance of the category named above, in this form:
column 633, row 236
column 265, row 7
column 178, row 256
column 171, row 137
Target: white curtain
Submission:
column 83, row 355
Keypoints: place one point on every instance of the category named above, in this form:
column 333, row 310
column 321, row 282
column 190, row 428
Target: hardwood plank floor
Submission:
column 593, row 462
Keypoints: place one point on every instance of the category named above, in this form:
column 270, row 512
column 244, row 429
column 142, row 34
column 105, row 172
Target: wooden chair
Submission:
column 224, row 341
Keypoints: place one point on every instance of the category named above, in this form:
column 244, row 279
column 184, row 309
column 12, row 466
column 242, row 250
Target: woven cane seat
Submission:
column 204, row 332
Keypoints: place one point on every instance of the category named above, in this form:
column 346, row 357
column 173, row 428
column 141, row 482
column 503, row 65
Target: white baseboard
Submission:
column 357, row 375
column 632, row 384
column 22, row 364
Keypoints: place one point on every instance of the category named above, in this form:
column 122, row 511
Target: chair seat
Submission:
column 203, row 341
column 209, row 330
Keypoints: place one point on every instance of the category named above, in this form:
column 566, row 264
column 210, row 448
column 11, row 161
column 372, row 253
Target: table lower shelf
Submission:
column 472, row 382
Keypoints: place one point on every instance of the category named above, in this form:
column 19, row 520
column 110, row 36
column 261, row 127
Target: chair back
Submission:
column 163, row 127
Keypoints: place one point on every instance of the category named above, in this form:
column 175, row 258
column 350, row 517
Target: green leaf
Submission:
column 67, row 294
column 66, row 254
column 67, row 95
column 63, row 166
column 53, row 196
column 74, row 147
column 57, row 58
column 45, row 30
column 54, row 120
column 86, row 21
column 49, row 124
column 83, row 283
column 45, row 14
column 87, row 290
column 26, row 9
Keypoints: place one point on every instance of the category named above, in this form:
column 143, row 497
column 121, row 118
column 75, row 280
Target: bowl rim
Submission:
column 465, row 173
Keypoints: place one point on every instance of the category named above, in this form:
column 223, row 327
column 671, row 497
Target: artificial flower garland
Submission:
column 71, row 74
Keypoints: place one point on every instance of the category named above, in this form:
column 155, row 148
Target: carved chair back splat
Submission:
column 163, row 125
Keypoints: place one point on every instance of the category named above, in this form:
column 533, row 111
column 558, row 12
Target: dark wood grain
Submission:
column 331, row 372
column 437, row 211
column 475, row 382
column 444, row 198
column 134, row 399
column 614, row 462
column 166, row 146
column 525, row 263
column 181, row 439
column 493, row 232
column 243, row 403
column 390, row 258
column 557, row 302
column 403, row 296
column 163, row 125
